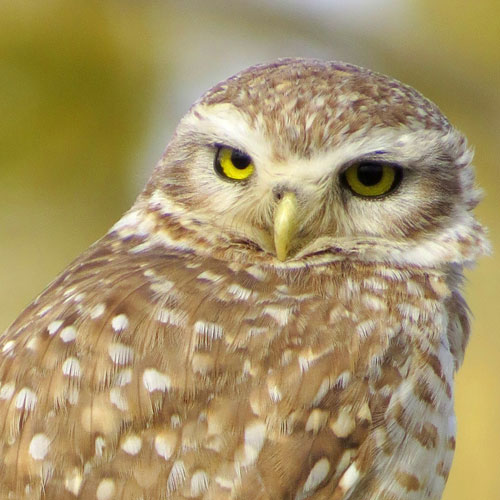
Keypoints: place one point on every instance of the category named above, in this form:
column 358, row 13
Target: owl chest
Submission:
column 299, row 340
column 292, row 337
column 332, row 369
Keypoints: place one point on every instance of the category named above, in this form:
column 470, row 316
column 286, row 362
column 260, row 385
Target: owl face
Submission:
column 302, row 158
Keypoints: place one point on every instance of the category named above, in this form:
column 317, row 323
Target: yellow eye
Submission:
column 371, row 179
column 233, row 164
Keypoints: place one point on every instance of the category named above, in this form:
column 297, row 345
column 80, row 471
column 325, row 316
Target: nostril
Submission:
column 279, row 191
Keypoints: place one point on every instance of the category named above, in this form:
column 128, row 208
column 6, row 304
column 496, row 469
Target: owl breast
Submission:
column 182, row 376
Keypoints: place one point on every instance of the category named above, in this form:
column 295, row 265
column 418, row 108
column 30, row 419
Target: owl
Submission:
column 278, row 316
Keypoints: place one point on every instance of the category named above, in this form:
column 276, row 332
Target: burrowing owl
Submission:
column 278, row 316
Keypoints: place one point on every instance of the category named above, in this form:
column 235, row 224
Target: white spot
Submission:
column 44, row 311
column 366, row 327
column 202, row 363
column 165, row 444
column 153, row 380
column 26, row 399
column 39, row 446
column 68, row 334
column 322, row 390
column 165, row 239
column 33, row 343
column 257, row 330
column 344, row 462
column 100, row 446
column 280, row 314
column 171, row 317
column 131, row 444
column 73, row 482
column 411, row 312
column 79, row 297
column 283, row 290
column 345, row 423
column 255, row 436
column 129, row 219
column 239, row 292
column 286, row 357
column 54, row 326
column 310, row 120
column 97, row 311
column 209, row 331
column 414, row 288
column 452, row 426
column 120, row 354
column 304, row 363
column 351, row 288
column 209, row 276
column 224, row 483
column 343, row 379
column 257, row 272
column 274, row 392
column 192, row 265
column 116, row 397
column 317, row 420
column 349, row 478
column 375, row 284
column 69, row 291
column 373, row 302
column 124, row 377
column 7, row 390
column 199, row 483
column 159, row 201
column 175, row 421
column 380, row 437
column 247, row 367
column 162, row 287
column 233, row 265
column 177, row 476
column 337, row 313
column 71, row 367
column 120, row 323
column 8, row 346
column 317, row 475
column 142, row 247
column 73, row 394
column 106, row 489
column 364, row 412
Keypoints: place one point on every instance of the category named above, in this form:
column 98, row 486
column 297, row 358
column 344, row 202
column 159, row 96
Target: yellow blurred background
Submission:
column 90, row 92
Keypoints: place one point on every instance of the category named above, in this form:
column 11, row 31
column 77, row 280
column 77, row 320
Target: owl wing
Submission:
column 83, row 381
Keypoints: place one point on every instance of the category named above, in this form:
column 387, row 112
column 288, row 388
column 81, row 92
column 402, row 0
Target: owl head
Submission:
column 302, row 161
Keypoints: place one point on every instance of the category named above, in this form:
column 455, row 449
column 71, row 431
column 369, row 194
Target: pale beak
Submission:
column 285, row 224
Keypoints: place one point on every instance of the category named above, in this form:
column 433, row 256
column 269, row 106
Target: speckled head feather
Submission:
column 288, row 332
column 306, row 107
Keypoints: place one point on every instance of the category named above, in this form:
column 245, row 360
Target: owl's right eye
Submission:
column 233, row 164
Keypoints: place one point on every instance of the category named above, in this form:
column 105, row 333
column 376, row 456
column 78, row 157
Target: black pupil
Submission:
column 370, row 174
column 240, row 160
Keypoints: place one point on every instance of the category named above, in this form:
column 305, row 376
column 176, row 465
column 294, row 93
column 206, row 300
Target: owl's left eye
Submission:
column 233, row 164
column 372, row 179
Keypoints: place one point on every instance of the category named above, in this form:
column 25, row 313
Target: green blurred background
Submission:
column 90, row 92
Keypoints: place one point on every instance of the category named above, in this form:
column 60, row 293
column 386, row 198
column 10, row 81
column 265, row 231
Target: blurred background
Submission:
column 90, row 92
